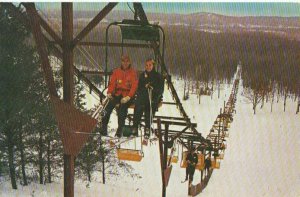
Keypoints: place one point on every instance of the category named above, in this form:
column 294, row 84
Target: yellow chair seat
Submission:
column 129, row 155
column 174, row 159
column 215, row 164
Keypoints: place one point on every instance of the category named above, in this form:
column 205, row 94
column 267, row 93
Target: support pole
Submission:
column 67, row 35
column 161, row 153
column 165, row 158
column 68, row 87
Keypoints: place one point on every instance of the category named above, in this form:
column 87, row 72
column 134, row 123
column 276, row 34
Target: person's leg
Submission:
column 138, row 112
column 122, row 113
column 147, row 115
column 191, row 176
column 107, row 112
column 147, row 120
column 186, row 173
column 154, row 109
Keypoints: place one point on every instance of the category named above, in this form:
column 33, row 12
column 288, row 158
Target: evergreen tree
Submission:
column 89, row 155
column 17, row 62
column 27, row 124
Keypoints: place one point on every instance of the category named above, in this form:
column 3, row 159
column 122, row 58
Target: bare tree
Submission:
column 285, row 97
column 298, row 107
column 254, row 96
column 273, row 90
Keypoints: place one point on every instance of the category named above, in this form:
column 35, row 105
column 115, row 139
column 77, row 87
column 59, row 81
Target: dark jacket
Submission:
column 207, row 163
column 193, row 159
column 155, row 80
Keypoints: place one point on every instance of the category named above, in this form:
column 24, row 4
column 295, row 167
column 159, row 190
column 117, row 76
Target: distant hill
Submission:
column 200, row 18
column 202, row 21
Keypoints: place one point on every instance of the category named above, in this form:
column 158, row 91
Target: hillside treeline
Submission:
column 207, row 56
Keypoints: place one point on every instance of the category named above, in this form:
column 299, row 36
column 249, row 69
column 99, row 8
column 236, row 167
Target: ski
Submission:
column 109, row 138
column 120, row 141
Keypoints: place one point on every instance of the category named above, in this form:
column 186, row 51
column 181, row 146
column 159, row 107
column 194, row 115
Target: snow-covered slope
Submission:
column 262, row 156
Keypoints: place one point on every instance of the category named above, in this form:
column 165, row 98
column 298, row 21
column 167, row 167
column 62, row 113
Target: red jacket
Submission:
column 123, row 82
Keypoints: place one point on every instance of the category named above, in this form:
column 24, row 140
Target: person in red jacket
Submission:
column 121, row 90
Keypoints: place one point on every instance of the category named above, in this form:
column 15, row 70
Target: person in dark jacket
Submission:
column 121, row 90
column 192, row 160
column 207, row 163
column 150, row 83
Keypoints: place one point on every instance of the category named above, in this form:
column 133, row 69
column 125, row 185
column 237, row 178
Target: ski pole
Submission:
column 100, row 109
column 150, row 102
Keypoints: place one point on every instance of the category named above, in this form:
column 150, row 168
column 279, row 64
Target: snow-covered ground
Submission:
column 262, row 156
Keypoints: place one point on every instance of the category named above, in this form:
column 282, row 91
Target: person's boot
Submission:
column 147, row 133
column 103, row 131
column 135, row 132
column 118, row 133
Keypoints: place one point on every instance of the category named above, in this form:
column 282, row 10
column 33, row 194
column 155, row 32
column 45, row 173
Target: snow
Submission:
column 209, row 31
column 262, row 156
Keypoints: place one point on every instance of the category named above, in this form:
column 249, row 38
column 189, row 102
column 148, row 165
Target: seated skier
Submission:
column 207, row 163
column 149, row 92
column 121, row 90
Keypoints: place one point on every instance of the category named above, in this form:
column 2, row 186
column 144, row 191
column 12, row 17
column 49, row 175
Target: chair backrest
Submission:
column 134, row 30
column 183, row 163
column 200, row 164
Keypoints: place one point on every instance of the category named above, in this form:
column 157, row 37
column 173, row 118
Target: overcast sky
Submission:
column 224, row 8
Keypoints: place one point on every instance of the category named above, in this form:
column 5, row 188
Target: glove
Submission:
column 125, row 99
column 109, row 96
column 148, row 86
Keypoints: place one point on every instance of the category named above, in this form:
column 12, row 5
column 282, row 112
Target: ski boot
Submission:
column 118, row 133
column 135, row 132
column 146, row 136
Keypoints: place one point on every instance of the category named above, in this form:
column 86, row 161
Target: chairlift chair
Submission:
column 200, row 164
column 135, row 30
column 127, row 154
column 139, row 31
